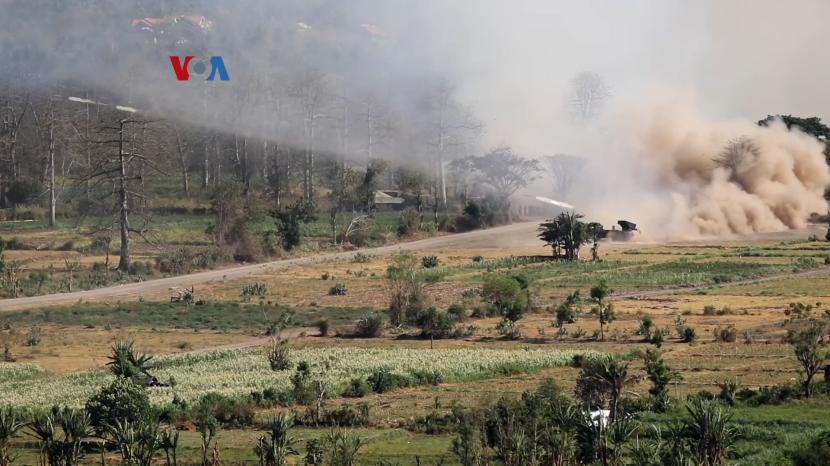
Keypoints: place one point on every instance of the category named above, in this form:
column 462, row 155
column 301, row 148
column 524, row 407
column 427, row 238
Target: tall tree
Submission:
column 587, row 95
column 449, row 127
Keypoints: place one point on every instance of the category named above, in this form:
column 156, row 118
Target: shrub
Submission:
column 479, row 259
column 457, row 311
column 121, row 401
column 383, row 380
column 436, row 324
column 252, row 290
column 509, row 330
column 567, row 312
column 506, row 295
column 657, row 338
column 358, row 388
column 406, row 289
column 646, row 323
column 688, row 335
column 728, row 334
column 370, row 326
column 322, row 325
column 361, row 258
column 226, row 410
column 35, row 336
column 709, row 310
column 140, row 268
column 339, row 289
column 409, row 222
column 430, row 262
column 279, row 356
column 815, row 453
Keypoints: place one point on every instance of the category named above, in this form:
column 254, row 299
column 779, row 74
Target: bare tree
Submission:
column 450, row 126
column 14, row 111
column 587, row 96
column 311, row 93
column 737, row 152
column 113, row 171
column 564, row 170
column 378, row 124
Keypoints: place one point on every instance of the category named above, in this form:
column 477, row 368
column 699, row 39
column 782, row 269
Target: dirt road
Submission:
column 519, row 234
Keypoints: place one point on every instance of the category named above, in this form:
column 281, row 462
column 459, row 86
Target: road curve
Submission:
column 518, row 233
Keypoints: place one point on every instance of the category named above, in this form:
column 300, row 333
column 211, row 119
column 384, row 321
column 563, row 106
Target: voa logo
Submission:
column 182, row 66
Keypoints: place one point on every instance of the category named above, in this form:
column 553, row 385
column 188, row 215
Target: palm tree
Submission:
column 275, row 449
column 170, row 444
column 64, row 449
column 344, row 448
column 126, row 362
column 137, row 441
column 710, row 431
column 565, row 234
column 10, row 423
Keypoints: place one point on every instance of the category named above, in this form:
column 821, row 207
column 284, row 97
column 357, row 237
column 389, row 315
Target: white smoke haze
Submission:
column 685, row 79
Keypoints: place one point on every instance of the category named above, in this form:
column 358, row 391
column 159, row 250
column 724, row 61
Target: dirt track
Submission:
column 522, row 234
column 519, row 235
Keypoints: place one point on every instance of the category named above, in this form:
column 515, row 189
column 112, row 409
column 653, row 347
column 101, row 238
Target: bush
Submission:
column 436, row 324
column 121, row 401
column 727, row 335
column 409, row 222
column 35, row 336
column 279, row 356
column 567, row 312
column 226, row 410
column 358, row 388
column 140, row 268
column 458, row 312
column 322, row 325
column 339, row 289
column 816, row 453
column 709, row 310
column 509, row 330
column 361, row 258
column 657, row 338
column 490, row 211
column 506, row 295
column 370, row 326
column 688, row 335
column 430, row 262
column 251, row 290
column 383, row 380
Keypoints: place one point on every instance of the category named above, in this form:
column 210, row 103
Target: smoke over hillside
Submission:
column 368, row 74
column 681, row 175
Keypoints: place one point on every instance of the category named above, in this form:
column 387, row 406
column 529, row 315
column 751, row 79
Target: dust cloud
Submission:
column 680, row 175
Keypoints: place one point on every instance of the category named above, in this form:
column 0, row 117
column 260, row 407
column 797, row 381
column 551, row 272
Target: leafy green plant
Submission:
column 122, row 400
column 508, row 295
column 430, row 262
column 279, row 356
column 125, row 361
column 253, row 290
column 370, row 326
column 339, row 289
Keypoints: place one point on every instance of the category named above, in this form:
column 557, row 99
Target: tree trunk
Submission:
column 124, row 259
column 52, row 171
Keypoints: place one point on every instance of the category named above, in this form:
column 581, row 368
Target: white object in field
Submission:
column 601, row 416
column 563, row 205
